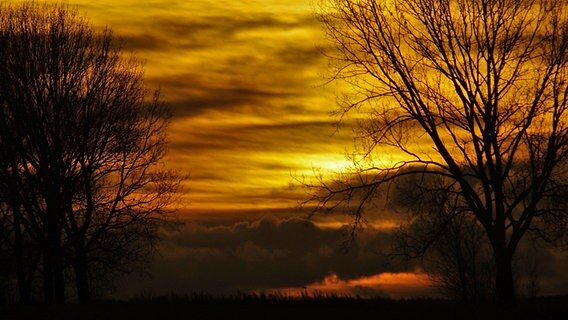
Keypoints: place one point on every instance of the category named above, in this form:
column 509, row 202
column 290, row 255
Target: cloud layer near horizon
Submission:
column 285, row 254
column 264, row 254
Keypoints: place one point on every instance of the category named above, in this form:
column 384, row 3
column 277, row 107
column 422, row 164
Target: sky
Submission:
column 243, row 80
column 246, row 84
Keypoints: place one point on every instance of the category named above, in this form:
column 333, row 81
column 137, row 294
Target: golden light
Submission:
column 383, row 285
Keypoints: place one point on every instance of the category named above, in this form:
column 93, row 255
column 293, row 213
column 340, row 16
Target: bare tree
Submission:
column 123, row 195
column 471, row 90
column 85, row 146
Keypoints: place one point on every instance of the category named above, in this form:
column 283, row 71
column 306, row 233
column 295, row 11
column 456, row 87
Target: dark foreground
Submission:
column 171, row 308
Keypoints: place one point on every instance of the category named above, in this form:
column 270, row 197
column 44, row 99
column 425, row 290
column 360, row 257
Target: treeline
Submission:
column 82, row 186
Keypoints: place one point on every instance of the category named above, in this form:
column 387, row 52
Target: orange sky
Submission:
column 244, row 82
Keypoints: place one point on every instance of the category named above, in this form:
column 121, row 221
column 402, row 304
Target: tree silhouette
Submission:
column 81, row 149
column 471, row 90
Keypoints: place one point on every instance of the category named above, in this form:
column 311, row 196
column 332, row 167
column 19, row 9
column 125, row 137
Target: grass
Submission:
column 279, row 306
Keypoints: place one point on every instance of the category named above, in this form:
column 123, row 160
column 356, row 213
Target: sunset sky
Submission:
column 245, row 83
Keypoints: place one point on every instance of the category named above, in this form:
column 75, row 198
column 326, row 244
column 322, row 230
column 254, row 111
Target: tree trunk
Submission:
column 23, row 290
column 504, row 285
column 53, row 281
column 56, row 266
column 47, row 279
column 82, row 279
column 54, row 250
column 58, row 278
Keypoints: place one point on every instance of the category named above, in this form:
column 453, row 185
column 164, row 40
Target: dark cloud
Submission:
column 287, row 136
column 230, row 24
column 219, row 98
column 191, row 32
column 244, row 83
column 263, row 254
column 143, row 42
column 248, row 252
column 263, row 74
column 293, row 54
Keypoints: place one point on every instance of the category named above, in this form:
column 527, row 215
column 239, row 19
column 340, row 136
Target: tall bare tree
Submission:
column 475, row 91
column 82, row 171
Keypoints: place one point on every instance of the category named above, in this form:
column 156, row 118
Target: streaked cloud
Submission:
column 243, row 82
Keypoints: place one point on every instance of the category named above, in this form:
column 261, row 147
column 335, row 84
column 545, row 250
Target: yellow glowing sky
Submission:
column 243, row 79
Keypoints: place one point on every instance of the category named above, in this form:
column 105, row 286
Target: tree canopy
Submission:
column 82, row 184
column 474, row 91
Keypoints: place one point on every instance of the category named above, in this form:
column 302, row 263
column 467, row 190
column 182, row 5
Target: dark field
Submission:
column 182, row 307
